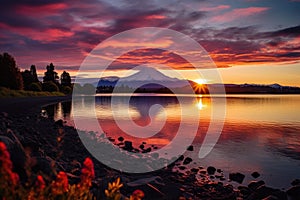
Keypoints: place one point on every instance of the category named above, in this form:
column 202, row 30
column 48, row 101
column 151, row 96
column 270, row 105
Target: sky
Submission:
column 250, row 41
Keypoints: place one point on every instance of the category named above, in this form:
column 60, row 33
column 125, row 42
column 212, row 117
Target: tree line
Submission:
column 11, row 77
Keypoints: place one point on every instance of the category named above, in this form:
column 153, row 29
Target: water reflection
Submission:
column 261, row 133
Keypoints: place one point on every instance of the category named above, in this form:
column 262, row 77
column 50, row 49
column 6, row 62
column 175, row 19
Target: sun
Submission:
column 200, row 81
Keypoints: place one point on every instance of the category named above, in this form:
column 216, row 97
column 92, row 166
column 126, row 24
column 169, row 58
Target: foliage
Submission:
column 5, row 92
column 65, row 79
column 10, row 75
column 50, row 74
column 29, row 77
column 57, row 189
column 50, row 86
column 113, row 191
column 35, row 87
column 66, row 90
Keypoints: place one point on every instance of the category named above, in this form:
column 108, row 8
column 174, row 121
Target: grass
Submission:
column 5, row 92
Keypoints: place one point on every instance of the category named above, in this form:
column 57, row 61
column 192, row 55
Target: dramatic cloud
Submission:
column 64, row 31
column 238, row 14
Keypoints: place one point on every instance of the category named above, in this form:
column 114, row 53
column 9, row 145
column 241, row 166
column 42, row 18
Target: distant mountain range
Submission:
column 150, row 80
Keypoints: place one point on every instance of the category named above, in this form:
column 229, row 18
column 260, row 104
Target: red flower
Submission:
column 40, row 183
column 88, row 168
column 137, row 195
column 4, row 154
column 6, row 165
column 87, row 172
column 61, row 184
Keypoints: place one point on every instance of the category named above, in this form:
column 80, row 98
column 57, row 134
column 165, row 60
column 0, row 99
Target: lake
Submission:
column 261, row 132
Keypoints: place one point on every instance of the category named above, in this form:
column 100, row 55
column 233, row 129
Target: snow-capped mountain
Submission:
column 148, row 74
column 146, row 77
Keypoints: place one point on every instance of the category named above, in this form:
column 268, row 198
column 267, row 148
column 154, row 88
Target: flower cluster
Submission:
column 137, row 195
column 9, row 178
column 10, row 188
column 61, row 184
column 87, row 173
column 40, row 183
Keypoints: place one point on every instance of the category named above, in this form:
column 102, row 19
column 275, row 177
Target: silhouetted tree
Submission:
column 50, row 74
column 36, row 86
column 29, row 77
column 33, row 73
column 65, row 79
column 49, row 86
column 10, row 75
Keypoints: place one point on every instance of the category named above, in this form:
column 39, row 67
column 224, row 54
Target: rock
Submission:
column 194, row 170
column 121, row 139
column 147, row 150
column 142, row 146
column 180, row 158
column 187, row 160
column 294, row 192
column 182, row 167
column 271, row 197
column 190, row 148
column 255, row 175
column 219, row 171
column 111, row 139
column 245, row 191
column 264, row 192
column 211, row 170
column 253, row 185
column 4, row 114
column 295, row 182
column 128, row 146
column 237, row 177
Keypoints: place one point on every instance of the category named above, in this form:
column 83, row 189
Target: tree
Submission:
column 50, row 74
column 29, row 77
column 33, row 73
column 65, row 79
column 49, row 86
column 36, row 86
column 10, row 75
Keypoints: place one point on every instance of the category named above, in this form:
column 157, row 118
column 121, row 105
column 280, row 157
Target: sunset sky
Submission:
column 251, row 41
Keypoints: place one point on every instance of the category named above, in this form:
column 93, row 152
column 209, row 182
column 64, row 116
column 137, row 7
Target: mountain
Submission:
column 149, row 74
column 150, row 80
column 146, row 78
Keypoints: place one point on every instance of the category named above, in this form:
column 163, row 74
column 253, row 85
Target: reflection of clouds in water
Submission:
column 285, row 142
column 259, row 135
column 143, row 105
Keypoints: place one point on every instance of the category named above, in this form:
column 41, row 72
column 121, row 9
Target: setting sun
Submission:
column 200, row 81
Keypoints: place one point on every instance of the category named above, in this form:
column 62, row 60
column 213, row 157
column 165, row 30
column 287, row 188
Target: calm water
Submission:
column 261, row 132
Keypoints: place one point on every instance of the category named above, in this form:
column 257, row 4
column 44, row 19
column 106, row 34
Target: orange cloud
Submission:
column 48, row 35
column 43, row 9
column 155, row 17
column 215, row 8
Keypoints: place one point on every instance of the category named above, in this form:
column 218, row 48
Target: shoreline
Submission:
column 15, row 105
column 34, row 130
